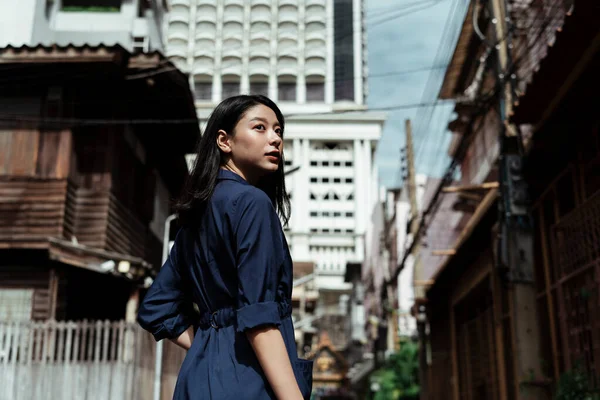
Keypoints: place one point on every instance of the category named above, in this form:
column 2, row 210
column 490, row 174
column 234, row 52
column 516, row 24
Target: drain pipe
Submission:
column 159, row 344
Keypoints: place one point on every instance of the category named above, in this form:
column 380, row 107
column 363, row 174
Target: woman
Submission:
column 231, row 259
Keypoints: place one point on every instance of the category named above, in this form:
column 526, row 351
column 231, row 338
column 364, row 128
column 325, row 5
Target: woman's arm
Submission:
column 186, row 339
column 271, row 352
column 260, row 256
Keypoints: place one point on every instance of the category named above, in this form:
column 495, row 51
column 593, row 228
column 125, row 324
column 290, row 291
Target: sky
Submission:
column 404, row 38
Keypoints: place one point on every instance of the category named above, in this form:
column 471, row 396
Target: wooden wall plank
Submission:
column 48, row 153
column 5, row 151
column 24, row 152
column 31, row 209
column 64, row 154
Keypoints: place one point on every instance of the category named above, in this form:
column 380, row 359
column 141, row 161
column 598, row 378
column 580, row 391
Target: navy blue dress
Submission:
column 236, row 267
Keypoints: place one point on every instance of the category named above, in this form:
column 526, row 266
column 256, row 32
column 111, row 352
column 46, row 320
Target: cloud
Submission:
column 406, row 43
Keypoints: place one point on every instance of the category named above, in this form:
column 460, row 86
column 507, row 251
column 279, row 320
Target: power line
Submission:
column 94, row 121
column 424, row 116
column 7, row 117
column 153, row 71
column 464, row 145
column 383, row 108
column 545, row 21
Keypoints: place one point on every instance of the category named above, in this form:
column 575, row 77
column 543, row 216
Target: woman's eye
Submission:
column 278, row 131
column 260, row 127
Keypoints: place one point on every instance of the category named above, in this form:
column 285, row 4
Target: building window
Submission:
column 313, row 180
column 337, row 214
column 230, row 88
column 336, row 197
column 350, row 196
column 326, row 163
column 337, row 230
column 314, row 230
column 315, row 91
column 286, row 89
column 91, row 6
column 325, row 230
column 349, row 231
column 288, row 163
column 349, row 214
column 314, row 163
column 313, row 214
column 325, row 180
column 203, row 90
column 343, row 48
column 259, row 85
column 326, row 213
column 337, row 180
column 16, row 304
column 337, row 163
column 349, row 180
column 348, row 163
column 312, row 196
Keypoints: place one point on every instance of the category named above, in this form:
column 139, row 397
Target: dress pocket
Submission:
column 304, row 375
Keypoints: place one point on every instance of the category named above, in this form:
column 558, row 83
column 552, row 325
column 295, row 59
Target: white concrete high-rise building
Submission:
column 310, row 57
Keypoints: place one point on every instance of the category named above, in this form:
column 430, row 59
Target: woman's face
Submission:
column 256, row 148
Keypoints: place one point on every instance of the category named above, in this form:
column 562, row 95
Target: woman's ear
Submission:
column 223, row 141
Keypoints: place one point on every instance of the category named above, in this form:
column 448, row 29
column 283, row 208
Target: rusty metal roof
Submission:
column 576, row 42
column 71, row 53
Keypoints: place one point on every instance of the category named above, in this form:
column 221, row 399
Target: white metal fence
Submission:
column 98, row 360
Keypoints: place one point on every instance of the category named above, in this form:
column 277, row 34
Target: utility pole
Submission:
column 412, row 197
column 516, row 242
column 418, row 289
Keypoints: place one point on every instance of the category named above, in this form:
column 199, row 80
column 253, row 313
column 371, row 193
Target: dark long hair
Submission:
column 201, row 183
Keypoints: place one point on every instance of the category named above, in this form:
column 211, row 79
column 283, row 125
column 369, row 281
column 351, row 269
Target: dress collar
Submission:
column 225, row 174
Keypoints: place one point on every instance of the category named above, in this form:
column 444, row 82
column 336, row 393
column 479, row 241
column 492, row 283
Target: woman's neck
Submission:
column 245, row 176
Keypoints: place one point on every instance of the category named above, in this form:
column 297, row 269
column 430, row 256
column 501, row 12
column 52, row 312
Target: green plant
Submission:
column 574, row 385
column 398, row 379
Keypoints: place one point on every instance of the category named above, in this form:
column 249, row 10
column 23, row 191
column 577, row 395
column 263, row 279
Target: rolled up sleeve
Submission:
column 166, row 310
column 259, row 258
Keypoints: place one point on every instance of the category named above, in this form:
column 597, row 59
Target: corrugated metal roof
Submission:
column 74, row 53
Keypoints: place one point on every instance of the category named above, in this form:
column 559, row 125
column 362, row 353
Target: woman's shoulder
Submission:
column 250, row 196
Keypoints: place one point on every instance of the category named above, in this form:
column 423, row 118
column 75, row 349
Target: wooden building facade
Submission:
column 92, row 151
column 487, row 337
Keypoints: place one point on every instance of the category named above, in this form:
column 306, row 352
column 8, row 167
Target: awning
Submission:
column 98, row 260
column 481, row 211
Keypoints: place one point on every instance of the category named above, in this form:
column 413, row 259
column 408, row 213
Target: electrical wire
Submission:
column 441, row 143
column 22, row 118
column 423, row 134
column 499, row 87
column 30, row 80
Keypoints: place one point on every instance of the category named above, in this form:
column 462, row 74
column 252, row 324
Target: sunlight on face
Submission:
column 257, row 146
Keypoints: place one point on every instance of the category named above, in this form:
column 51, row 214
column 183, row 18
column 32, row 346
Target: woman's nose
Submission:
column 275, row 139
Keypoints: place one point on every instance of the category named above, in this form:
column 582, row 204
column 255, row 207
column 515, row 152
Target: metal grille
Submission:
column 576, row 242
